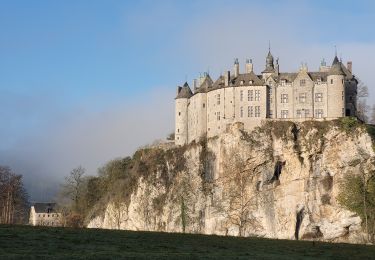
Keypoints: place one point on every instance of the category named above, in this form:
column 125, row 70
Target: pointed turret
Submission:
column 269, row 63
column 336, row 68
column 184, row 92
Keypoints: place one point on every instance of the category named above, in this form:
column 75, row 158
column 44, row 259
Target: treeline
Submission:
column 83, row 196
column 14, row 206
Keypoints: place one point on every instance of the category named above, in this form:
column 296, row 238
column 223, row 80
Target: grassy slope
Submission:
column 61, row 243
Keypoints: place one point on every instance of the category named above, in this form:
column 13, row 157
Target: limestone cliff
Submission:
column 279, row 181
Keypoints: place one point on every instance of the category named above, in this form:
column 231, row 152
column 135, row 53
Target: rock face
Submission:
column 279, row 181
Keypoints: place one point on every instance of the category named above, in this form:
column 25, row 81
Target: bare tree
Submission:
column 238, row 198
column 72, row 188
column 13, row 197
column 372, row 115
column 119, row 206
column 362, row 107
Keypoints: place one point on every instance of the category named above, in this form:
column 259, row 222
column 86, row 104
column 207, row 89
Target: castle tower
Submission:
column 270, row 68
column 181, row 114
column 335, row 90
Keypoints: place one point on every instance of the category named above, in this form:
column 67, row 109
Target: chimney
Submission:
column 349, row 66
column 249, row 65
column 277, row 66
column 226, row 78
column 236, row 68
column 195, row 84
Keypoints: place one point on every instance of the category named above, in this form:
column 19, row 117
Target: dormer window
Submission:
column 283, row 82
column 318, row 80
column 242, row 82
column 302, row 82
column 250, row 82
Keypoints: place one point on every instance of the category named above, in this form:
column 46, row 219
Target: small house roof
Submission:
column 48, row 207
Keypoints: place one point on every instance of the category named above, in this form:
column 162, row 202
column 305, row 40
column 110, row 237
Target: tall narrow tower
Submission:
column 335, row 90
column 181, row 114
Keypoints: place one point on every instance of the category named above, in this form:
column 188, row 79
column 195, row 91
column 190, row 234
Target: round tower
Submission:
column 335, row 90
column 181, row 114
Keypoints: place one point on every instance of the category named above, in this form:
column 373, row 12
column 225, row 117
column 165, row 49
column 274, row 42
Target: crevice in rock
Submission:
column 296, row 146
column 277, row 171
column 299, row 218
column 259, row 185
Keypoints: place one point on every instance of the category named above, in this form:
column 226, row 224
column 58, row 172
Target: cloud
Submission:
column 90, row 136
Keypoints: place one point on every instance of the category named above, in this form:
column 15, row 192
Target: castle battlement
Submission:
column 251, row 98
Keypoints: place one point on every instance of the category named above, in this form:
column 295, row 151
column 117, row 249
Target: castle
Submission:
column 249, row 98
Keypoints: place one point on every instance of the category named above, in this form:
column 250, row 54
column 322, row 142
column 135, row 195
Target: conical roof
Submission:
column 335, row 60
column 185, row 92
column 336, row 68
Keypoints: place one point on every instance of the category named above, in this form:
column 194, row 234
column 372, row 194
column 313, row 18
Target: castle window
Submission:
column 331, row 81
column 242, row 82
column 307, row 112
column 241, row 95
column 218, row 99
column 257, row 95
column 342, row 95
column 257, row 111
column 250, row 111
column 283, row 82
column 284, row 113
column 270, row 95
column 204, row 105
column 318, row 97
column 302, row 97
column 284, row 98
column 241, row 112
column 351, row 98
column 271, row 113
column 179, row 113
column 319, row 113
column 299, row 115
column 302, row 82
column 218, row 116
column 178, row 130
column 250, row 95
column 250, row 82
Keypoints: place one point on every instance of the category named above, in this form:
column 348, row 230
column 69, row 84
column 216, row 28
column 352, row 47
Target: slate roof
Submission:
column 45, row 207
column 185, row 92
column 205, row 86
column 336, row 69
column 246, row 78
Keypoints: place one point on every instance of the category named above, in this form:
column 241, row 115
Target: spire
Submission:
column 269, row 61
column 269, row 46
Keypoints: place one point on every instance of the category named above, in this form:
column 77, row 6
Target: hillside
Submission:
column 25, row 242
column 279, row 181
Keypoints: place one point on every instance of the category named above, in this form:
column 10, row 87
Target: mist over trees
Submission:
column 14, row 206
column 362, row 108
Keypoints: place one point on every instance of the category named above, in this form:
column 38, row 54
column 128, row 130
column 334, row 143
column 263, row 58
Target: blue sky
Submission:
column 82, row 82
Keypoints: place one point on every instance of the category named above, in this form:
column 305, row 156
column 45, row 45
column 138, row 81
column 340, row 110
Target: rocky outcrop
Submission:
column 279, row 181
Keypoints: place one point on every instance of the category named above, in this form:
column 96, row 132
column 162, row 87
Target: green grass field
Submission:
column 25, row 242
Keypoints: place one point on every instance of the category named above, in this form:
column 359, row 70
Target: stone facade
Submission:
column 44, row 214
column 249, row 98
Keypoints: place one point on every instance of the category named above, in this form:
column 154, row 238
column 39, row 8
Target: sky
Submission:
column 86, row 81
